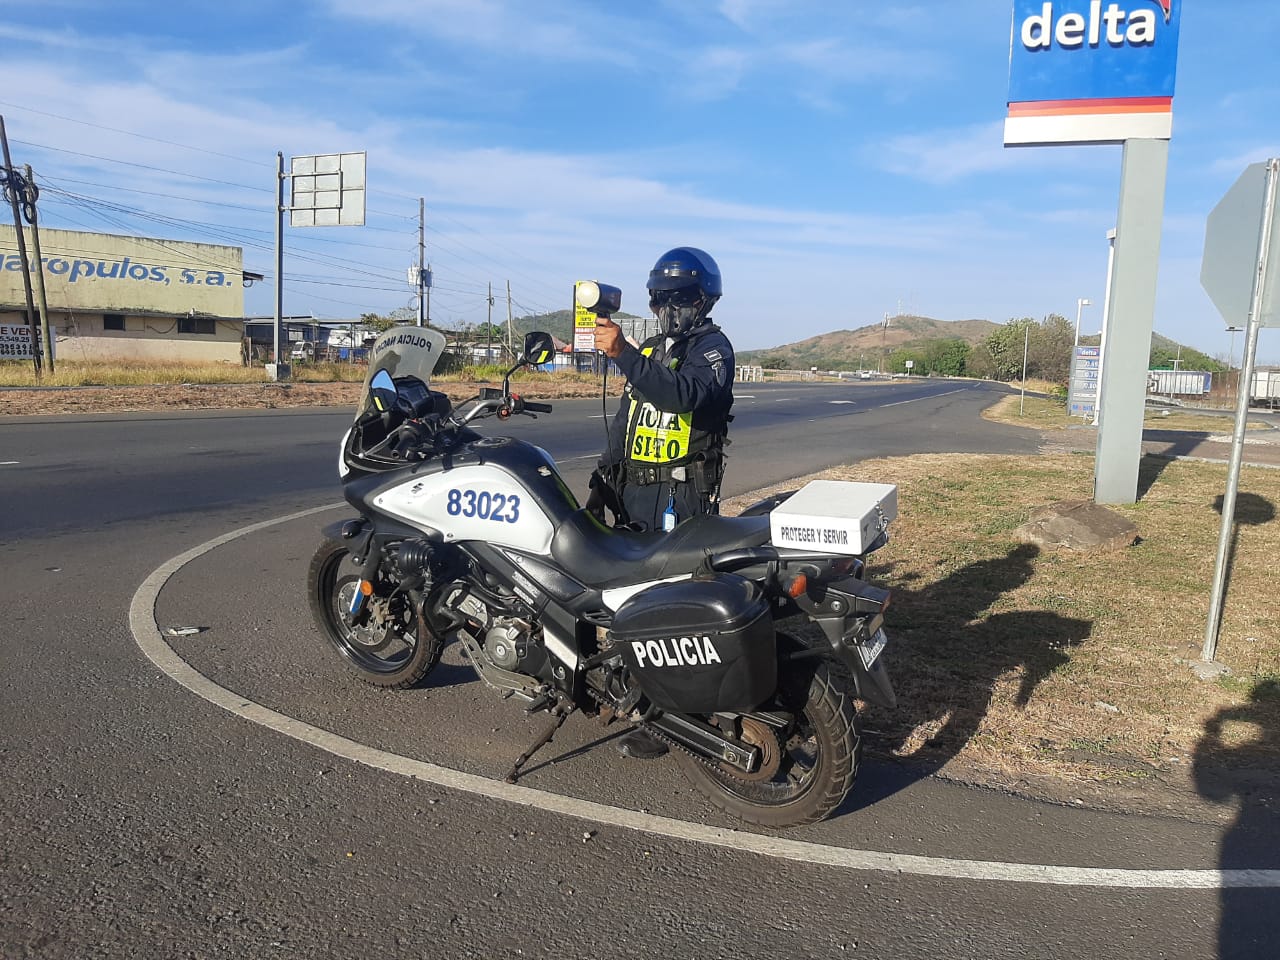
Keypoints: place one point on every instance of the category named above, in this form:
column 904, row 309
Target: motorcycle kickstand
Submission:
column 561, row 712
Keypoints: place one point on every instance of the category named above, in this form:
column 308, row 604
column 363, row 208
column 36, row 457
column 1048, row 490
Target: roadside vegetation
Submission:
column 71, row 373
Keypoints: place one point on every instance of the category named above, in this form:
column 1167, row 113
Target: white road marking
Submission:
column 840, row 402
column 744, row 396
column 1222, row 439
column 146, row 633
column 918, row 399
column 9, row 463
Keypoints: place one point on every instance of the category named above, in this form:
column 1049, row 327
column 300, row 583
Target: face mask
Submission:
column 679, row 314
column 677, row 321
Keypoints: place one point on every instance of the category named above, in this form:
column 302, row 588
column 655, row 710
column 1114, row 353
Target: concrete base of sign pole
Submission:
column 278, row 371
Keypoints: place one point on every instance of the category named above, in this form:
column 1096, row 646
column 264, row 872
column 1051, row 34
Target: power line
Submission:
column 97, row 208
column 131, row 133
column 143, row 166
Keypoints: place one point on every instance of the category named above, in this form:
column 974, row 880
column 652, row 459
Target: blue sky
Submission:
column 840, row 160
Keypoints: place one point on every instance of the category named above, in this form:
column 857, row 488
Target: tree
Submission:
column 947, row 358
column 397, row 317
column 1004, row 348
column 1050, row 350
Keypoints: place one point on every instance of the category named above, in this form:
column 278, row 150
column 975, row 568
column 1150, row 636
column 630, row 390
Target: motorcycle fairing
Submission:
column 442, row 501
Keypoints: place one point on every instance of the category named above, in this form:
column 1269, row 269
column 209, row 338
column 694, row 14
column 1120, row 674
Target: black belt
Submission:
column 700, row 472
column 644, row 476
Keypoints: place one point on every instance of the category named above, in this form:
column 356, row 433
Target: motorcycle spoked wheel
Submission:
column 809, row 766
column 388, row 645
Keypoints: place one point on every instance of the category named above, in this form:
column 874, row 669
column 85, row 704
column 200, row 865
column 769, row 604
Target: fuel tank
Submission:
column 497, row 489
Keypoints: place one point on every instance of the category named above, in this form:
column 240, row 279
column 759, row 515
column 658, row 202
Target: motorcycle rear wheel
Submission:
column 389, row 646
column 817, row 754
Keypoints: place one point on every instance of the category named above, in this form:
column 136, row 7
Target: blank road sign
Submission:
column 1232, row 243
column 328, row 190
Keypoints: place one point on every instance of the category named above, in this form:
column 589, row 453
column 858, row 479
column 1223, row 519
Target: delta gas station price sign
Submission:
column 1092, row 71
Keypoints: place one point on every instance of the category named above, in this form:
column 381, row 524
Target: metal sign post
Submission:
column 1230, row 227
column 327, row 190
column 1123, row 385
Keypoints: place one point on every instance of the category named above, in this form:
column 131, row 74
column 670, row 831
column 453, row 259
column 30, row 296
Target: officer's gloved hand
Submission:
column 595, row 504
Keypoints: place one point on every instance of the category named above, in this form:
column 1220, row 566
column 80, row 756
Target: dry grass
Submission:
column 72, row 373
column 1051, row 414
column 1072, row 665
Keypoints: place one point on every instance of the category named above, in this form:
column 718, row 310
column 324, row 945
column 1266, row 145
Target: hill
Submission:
column 854, row 349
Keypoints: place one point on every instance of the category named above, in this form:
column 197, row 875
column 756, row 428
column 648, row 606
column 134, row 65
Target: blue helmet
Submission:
column 683, row 287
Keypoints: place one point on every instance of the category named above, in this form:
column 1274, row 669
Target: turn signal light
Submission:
column 798, row 586
column 366, row 588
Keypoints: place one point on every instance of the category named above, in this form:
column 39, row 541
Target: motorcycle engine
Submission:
column 505, row 639
column 506, row 642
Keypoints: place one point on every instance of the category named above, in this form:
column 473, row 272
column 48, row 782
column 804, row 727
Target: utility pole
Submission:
column 422, row 258
column 884, row 348
column 510, row 324
column 12, row 183
column 46, row 335
column 488, row 329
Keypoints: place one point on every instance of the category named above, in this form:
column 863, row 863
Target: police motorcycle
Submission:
column 476, row 540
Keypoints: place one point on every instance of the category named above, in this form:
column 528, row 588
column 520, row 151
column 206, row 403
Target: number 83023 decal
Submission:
column 498, row 507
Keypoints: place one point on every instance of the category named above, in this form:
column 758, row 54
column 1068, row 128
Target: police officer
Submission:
column 666, row 442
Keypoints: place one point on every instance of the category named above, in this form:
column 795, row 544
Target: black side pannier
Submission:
column 700, row 646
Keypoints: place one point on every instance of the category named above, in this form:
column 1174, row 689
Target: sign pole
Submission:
column 1144, row 172
column 279, row 325
column 1214, row 626
column 1026, row 350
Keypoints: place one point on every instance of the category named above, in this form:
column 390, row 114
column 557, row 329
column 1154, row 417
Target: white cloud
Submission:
column 943, row 156
column 575, row 32
column 747, row 14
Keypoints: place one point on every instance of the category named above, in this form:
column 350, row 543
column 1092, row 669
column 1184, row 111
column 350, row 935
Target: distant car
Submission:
column 864, row 374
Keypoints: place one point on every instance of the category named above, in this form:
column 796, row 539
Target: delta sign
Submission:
column 1092, row 71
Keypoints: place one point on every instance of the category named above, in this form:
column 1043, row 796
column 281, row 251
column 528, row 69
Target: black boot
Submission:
column 639, row 745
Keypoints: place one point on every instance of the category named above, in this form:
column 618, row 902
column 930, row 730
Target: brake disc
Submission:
column 375, row 628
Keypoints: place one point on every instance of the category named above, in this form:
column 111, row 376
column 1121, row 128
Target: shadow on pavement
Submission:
column 1235, row 761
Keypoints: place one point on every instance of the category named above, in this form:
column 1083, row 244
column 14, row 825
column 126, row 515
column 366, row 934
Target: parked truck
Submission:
column 1266, row 388
column 1185, row 383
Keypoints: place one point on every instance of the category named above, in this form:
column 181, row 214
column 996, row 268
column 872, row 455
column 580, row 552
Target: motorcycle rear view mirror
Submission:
column 383, row 391
column 538, row 348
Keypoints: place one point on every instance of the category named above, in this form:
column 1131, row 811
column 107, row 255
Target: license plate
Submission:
column 870, row 650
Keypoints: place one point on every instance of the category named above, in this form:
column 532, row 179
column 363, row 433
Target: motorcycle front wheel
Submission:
column 387, row 644
column 810, row 747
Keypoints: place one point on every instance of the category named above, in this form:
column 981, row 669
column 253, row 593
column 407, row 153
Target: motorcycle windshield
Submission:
column 400, row 365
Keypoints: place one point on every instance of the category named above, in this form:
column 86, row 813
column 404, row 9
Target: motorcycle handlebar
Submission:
column 533, row 407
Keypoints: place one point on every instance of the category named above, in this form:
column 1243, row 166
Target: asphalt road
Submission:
column 142, row 821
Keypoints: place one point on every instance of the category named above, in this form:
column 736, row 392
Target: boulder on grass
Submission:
column 1078, row 525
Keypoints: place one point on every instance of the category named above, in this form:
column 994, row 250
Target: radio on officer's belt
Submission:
column 599, row 298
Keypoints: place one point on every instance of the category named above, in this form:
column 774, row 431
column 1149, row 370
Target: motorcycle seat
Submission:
column 600, row 557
